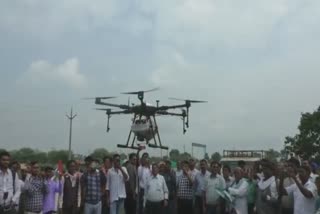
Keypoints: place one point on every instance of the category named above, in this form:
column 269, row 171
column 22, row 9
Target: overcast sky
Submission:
column 256, row 62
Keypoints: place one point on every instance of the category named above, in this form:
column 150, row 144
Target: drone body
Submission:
column 144, row 125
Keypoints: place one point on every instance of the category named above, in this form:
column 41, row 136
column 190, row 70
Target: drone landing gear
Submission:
column 155, row 136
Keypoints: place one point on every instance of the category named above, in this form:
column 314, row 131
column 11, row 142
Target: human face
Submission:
column 237, row 174
column 93, row 165
column 203, row 166
column 168, row 167
column 49, row 173
column 303, row 175
column 16, row 167
column 144, row 159
column 162, row 168
column 4, row 162
column 107, row 164
column 226, row 172
column 23, row 173
column 133, row 160
column 155, row 170
column 305, row 163
column 72, row 168
column 192, row 164
column 35, row 169
column 267, row 172
column 185, row 167
column 116, row 162
column 215, row 168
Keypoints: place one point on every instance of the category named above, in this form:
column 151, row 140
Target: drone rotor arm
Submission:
column 119, row 112
column 164, row 108
column 99, row 102
column 169, row 113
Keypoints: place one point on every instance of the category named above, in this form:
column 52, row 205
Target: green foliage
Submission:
column 174, row 154
column 123, row 156
column 3, row 150
column 184, row 156
column 165, row 158
column 100, row 153
column 56, row 155
column 28, row 154
column 272, row 155
column 216, row 156
column 206, row 156
column 307, row 141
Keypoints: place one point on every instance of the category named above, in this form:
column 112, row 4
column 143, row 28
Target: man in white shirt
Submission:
column 304, row 191
column 239, row 192
column 9, row 186
column 156, row 192
column 267, row 193
column 116, row 190
column 143, row 173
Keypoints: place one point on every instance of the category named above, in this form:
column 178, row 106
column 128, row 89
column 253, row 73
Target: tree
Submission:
column 272, row 155
column 216, row 156
column 307, row 141
column 56, row 155
column 28, row 155
column 165, row 158
column 206, row 156
column 184, row 156
column 100, row 153
column 123, row 156
column 174, row 154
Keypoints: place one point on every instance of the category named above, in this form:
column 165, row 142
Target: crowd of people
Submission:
column 141, row 187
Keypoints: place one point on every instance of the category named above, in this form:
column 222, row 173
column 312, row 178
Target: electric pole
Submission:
column 70, row 117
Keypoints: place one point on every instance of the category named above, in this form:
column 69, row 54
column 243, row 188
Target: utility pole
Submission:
column 70, row 117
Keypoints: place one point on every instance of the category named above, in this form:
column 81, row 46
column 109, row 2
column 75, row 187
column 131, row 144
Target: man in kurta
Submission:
column 54, row 186
column 239, row 191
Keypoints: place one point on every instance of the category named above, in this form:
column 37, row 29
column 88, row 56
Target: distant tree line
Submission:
column 52, row 157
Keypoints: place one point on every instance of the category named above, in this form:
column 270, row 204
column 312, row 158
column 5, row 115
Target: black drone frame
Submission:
column 150, row 112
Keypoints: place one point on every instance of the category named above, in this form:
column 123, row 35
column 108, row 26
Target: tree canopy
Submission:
column 272, row 155
column 307, row 141
column 216, row 156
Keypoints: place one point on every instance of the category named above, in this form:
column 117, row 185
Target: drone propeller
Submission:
column 190, row 101
column 139, row 92
column 103, row 109
column 101, row 98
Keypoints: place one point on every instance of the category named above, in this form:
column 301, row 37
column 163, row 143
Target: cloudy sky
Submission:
column 256, row 62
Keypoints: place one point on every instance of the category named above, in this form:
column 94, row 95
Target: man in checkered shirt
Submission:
column 185, row 190
column 93, row 184
column 35, row 189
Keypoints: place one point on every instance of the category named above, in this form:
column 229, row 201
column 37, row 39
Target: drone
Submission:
column 144, row 126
